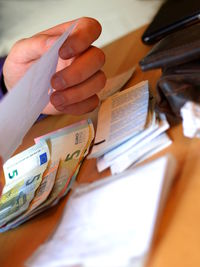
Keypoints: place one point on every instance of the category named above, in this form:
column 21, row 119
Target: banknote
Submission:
column 41, row 208
column 45, row 186
column 68, row 186
column 18, row 167
column 73, row 144
column 41, row 195
column 17, row 199
column 68, row 147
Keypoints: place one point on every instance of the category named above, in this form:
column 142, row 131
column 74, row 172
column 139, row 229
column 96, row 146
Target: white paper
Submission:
column 23, row 104
column 190, row 114
column 110, row 222
column 141, row 151
column 121, row 157
column 163, row 142
column 120, row 117
column 153, row 122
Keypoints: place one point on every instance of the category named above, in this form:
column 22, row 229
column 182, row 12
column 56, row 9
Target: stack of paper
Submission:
column 38, row 177
column 128, row 129
column 110, row 222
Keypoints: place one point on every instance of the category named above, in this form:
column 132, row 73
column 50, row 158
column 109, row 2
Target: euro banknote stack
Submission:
column 129, row 129
column 37, row 178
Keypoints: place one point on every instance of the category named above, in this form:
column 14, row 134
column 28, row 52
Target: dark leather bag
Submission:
column 178, row 55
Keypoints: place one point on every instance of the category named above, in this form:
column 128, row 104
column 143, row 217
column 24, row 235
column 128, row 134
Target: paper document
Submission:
column 110, row 222
column 23, row 104
column 150, row 140
column 141, row 151
column 120, row 117
column 128, row 129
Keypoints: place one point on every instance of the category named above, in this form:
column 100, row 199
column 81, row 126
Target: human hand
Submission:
column 78, row 76
column 1, row 176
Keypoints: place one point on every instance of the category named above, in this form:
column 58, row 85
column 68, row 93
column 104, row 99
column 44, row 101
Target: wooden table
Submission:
column 177, row 237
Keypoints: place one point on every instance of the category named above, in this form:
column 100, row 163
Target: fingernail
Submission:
column 58, row 99
column 58, row 82
column 66, row 52
column 60, row 108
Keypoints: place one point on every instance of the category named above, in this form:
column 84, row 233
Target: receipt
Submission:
column 23, row 104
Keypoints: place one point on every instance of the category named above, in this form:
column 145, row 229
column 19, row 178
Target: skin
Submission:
column 1, row 176
column 78, row 76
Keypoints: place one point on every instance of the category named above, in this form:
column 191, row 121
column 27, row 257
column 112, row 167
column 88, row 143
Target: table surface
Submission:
column 177, row 235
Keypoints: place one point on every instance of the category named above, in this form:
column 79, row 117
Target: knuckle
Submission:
column 80, row 96
column 67, row 76
column 72, row 96
column 67, row 98
column 18, row 43
column 78, row 77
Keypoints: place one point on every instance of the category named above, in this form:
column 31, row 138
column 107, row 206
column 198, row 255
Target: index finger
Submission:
column 85, row 33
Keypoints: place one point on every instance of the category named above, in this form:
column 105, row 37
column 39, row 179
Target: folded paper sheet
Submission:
column 24, row 103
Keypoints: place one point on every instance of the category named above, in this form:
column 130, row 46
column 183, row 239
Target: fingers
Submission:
column 1, row 175
column 78, row 78
column 80, row 69
column 77, row 84
column 80, row 92
column 86, row 32
column 82, row 107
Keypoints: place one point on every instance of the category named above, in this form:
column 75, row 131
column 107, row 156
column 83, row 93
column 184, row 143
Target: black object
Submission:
column 177, row 48
column 172, row 16
column 178, row 55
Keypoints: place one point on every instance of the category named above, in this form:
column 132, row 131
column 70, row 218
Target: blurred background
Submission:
column 23, row 18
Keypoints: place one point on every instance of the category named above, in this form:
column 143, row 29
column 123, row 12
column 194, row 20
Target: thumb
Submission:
column 32, row 48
